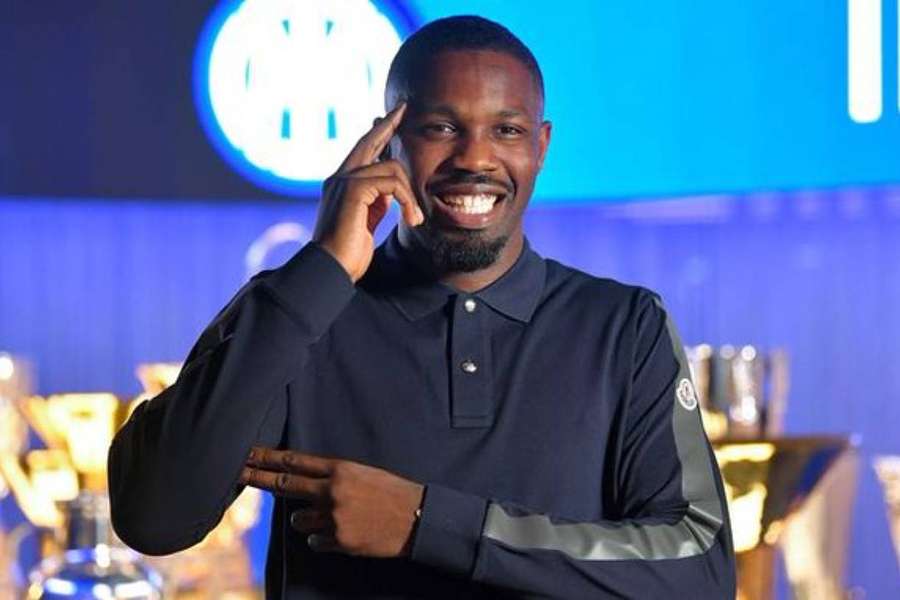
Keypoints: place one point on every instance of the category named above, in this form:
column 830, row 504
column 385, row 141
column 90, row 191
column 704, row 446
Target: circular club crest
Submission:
column 686, row 395
column 284, row 89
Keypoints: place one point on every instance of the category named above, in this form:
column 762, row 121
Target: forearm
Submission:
column 513, row 548
column 173, row 467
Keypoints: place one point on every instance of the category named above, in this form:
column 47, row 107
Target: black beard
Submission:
column 464, row 253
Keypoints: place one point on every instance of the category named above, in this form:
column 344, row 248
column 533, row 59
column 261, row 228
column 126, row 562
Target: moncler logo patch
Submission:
column 686, row 395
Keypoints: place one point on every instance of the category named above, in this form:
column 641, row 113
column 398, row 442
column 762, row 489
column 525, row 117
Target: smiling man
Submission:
column 473, row 142
column 448, row 415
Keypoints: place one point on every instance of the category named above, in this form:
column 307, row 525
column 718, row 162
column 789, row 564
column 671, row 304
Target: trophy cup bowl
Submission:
column 742, row 391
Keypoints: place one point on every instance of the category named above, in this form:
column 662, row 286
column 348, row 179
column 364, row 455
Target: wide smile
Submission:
column 469, row 204
column 469, row 209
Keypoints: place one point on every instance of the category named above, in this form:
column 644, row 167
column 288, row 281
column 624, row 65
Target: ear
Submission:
column 543, row 142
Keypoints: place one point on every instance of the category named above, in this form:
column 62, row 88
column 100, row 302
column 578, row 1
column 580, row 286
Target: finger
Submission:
column 392, row 168
column 291, row 485
column 290, row 461
column 380, row 169
column 390, row 186
column 377, row 212
column 372, row 143
column 312, row 521
column 319, row 542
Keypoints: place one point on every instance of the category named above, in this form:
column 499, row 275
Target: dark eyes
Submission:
column 438, row 129
column 510, row 131
column 505, row 131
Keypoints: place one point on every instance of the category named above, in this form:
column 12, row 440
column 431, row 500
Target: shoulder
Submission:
column 582, row 289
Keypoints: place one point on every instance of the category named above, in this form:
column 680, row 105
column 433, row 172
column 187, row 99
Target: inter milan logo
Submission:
column 285, row 88
column 686, row 395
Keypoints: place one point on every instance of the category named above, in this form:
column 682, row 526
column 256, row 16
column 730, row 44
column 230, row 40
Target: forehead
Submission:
column 476, row 79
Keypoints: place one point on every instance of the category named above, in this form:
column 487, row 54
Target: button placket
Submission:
column 471, row 399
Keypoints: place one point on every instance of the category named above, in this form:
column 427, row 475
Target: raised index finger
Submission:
column 370, row 145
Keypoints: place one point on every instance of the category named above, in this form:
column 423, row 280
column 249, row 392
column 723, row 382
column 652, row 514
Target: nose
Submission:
column 474, row 153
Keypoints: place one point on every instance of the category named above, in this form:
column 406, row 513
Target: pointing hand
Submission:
column 356, row 198
column 350, row 507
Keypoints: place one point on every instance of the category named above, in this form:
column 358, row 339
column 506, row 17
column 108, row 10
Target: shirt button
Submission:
column 468, row 366
column 469, row 305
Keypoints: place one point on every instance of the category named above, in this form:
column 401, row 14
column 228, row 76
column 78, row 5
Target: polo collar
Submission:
column 515, row 294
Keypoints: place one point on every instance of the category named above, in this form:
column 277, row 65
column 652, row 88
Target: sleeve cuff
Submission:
column 313, row 287
column 449, row 530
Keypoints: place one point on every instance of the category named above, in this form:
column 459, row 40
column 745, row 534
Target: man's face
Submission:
column 473, row 141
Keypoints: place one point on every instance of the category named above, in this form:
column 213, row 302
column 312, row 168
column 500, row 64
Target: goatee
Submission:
column 465, row 252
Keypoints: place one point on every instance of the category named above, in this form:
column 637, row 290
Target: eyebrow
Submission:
column 444, row 109
column 441, row 109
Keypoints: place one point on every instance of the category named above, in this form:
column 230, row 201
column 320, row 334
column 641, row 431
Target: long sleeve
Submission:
column 173, row 467
column 670, row 534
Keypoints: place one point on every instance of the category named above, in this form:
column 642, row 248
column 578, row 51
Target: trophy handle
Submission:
column 40, row 510
column 37, row 414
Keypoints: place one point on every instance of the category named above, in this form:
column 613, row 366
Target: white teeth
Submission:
column 477, row 204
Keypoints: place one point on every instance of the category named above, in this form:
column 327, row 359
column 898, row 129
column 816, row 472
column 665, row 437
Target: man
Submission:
column 448, row 415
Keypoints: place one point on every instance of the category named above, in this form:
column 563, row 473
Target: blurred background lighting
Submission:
column 6, row 366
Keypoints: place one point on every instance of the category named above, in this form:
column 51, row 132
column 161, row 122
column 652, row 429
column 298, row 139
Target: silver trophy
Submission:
column 742, row 391
column 60, row 490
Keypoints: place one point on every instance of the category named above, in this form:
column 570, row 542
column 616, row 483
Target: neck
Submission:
column 463, row 281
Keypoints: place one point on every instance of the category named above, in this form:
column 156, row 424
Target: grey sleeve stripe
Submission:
column 694, row 534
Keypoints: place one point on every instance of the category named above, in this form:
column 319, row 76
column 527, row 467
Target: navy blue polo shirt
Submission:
column 550, row 415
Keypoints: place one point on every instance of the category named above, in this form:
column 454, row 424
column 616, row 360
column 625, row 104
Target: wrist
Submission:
column 343, row 262
column 449, row 531
column 416, row 516
column 312, row 286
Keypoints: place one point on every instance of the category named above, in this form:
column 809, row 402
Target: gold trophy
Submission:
column 786, row 495
column 61, row 490
column 792, row 495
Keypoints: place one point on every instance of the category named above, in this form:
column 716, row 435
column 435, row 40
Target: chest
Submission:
column 467, row 398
